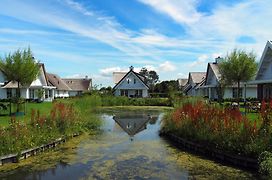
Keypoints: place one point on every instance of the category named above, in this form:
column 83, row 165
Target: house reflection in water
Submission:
column 132, row 124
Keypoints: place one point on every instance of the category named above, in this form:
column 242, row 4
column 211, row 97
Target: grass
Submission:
column 44, row 108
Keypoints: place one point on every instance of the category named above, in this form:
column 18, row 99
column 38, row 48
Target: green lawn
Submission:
column 250, row 116
column 44, row 108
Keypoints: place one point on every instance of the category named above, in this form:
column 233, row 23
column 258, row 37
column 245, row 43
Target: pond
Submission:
column 128, row 148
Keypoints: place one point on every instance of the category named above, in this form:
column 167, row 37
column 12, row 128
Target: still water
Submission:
column 128, row 148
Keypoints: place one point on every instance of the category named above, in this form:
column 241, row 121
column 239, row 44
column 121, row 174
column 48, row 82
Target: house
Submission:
column 62, row 89
column 78, row 86
column 182, row 82
column 263, row 78
column 195, row 80
column 131, row 85
column 8, row 89
column 212, row 85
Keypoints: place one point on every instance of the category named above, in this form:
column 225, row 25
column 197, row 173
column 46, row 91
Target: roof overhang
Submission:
column 266, row 81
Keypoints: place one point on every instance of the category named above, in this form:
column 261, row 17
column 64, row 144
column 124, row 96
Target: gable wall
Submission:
column 211, row 79
column 41, row 80
column 138, row 85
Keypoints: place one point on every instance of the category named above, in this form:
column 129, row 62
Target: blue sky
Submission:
column 75, row 38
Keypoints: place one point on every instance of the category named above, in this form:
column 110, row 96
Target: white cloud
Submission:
column 167, row 67
column 203, row 59
column 77, row 6
column 182, row 75
column 180, row 11
column 107, row 72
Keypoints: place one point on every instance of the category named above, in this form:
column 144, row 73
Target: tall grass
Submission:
column 64, row 120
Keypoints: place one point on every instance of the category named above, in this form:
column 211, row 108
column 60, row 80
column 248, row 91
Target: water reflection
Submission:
column 132, row 124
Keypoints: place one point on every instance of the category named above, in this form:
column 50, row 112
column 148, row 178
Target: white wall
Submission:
column 131, row 85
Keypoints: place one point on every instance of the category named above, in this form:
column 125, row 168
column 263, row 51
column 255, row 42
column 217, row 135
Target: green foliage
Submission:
column 151, row 77
column 166, row 86
column 40, row 93
column 238, row 66
column 125, row 101
column 265, row 161
column 20, row 67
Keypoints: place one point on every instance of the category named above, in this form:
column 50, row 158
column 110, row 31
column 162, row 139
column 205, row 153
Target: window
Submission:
column 127, row 80
column 140, row 93
column 122, row 92
column 31, row 93
column 134, row 81
column 9, row 93
column 46, row 94
column 235, row 92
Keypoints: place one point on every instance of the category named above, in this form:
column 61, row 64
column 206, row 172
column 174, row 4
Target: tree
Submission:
column 151, row 77
column 166, row 86
column 20, row 67
column 238, row 66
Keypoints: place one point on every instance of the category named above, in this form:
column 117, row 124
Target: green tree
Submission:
column 238, row 66
column 21, row 68
column 151, row 77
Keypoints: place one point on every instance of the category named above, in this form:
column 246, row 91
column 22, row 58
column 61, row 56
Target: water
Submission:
column 129, row 148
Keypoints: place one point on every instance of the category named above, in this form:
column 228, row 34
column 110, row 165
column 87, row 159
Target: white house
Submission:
column 78, row 86
column 131, row 85
column 62, row 89
column 195, row 80
column 8, row 89
column 264, row 74
column 212, row 82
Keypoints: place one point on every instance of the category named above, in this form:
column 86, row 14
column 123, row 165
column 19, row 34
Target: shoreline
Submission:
column 236, row 160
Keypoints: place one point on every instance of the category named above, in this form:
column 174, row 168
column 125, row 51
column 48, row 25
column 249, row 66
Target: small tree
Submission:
column 40, row 94
column 238, row 66
column 151, row 77
column 20, row 67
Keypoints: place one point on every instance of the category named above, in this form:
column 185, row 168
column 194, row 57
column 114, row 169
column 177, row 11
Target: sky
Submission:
column 75, row 38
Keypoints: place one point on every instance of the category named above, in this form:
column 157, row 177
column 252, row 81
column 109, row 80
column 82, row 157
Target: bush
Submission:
column 125, row 101
column 265, row 161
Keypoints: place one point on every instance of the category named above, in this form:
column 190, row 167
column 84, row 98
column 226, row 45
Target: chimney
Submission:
column 131, row 68
column 218, row 60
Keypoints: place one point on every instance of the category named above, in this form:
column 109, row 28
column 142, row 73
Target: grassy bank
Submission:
column 44, row 108
column 224, row 129
column 43, row 125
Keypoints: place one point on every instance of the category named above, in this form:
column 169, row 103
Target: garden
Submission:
column 224, row 129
